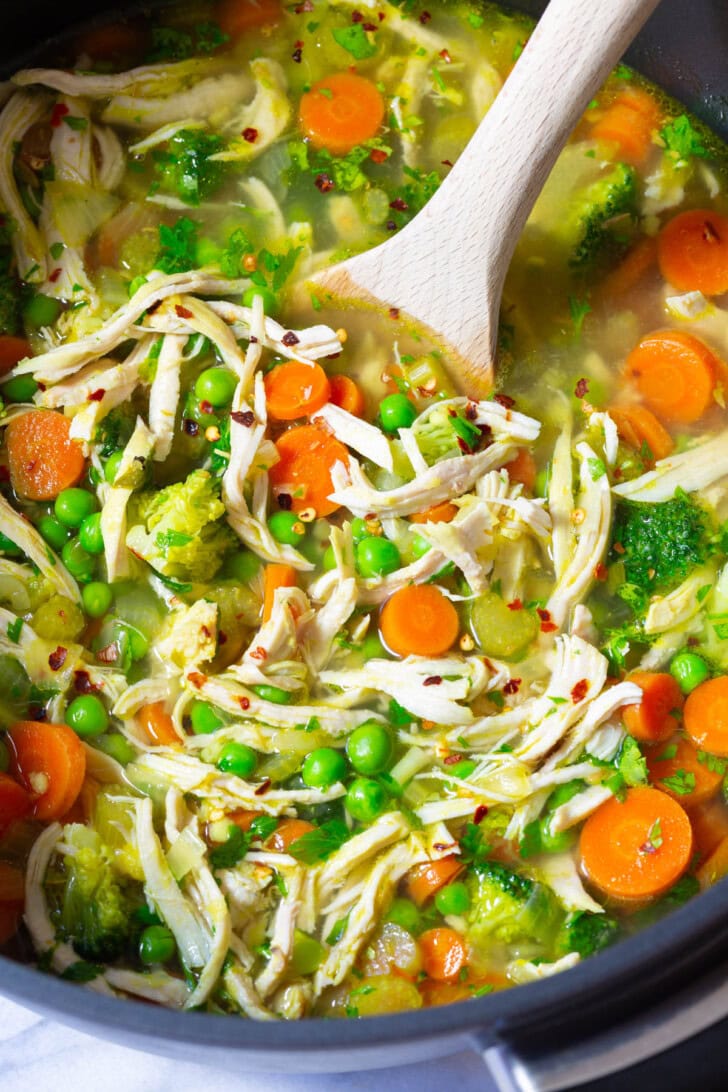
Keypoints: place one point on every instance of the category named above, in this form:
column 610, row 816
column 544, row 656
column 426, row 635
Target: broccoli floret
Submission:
column 510, row 908
column 184, row 535
column 598, row 217
column 586, row 933
column 660, row 544
column 97, row 903
column 186, row 169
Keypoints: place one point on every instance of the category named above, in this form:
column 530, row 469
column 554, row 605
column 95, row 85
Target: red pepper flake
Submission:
column 579, row 691
column 600, row 571
column 244, row 704
column 480, row 813
column 285, row 501
column 618, row 548
column 390, row 225
column 221, row 638
column 451, row 760
column 259, row 653
column 324, row 182
column 378, row 155
column 512, row 686
column 190, row 427
column 370, row 26
column 504, row 400
column 356, row 17
column 433, row 680
column 197, row 679
column 250, row 134
column 108, row 655
column 263, row 787
column 55, row 275
column 399, row 204
column 381, row 16
column 582, row 387
column 617, row 472
column 693, row 642
column 464, row 447
column 4, row 474
column 297, row 54
column 97, row 396
column 59, row 112
column 446, row 162
column 547, row 626
column 182, row 312
column 57, row 659
column 394, row 313
column 445, row 56
column 515, row 604
column 289, row 338
column 425, row 17
column 243, row 417
column 206, row 407
column 82, row 683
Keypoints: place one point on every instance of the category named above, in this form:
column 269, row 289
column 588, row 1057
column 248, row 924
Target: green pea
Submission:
column 273, row 694
column 286, row 527
column 204, row 718
column 54, row 532
column 689, row 670
column 323, row 767
column 4, row 757
column 377, row 556
column 242, row 566
column 8, row 547
column 20, row 388
column 157, row 944
column 396, row 411
column 97, row 597
column 137, row 642
column 329, row 559
column 73, row 506
column 79, row 563
column 369, row 748
column 372, row 647
column 89, row 534
column 453, row 899
column 555, row 842
column 462, row 769
column 238, row 759
column 365, row 800
column 87, row 716
column 216, row 386
column 308, row 953
column 112, row 466
column 270, row 300
column 116, row 747
column 144, row 916
column 208, row 252
column 419, row 546
column 359, row 529
column 41, row 310
column 404, row 913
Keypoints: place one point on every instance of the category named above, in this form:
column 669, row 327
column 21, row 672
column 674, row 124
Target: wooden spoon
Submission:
column 445, row 270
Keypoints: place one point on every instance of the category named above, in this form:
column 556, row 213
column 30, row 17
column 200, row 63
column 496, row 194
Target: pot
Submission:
column 650, row 992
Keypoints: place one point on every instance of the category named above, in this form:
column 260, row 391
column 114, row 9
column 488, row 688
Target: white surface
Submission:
column 36, row 1053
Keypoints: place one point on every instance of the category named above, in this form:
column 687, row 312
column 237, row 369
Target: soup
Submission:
column 328, row 690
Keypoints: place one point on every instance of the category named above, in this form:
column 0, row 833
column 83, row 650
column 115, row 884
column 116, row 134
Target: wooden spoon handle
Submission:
column 447, row 267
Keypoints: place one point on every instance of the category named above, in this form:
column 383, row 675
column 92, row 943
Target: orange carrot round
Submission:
column 715, row 867
column 286, row 833
column 419, row 620
column 638, row 426
column 629, row 122
column 347, row 394
column 423, row 880
column 522, row 469
column 675, row 373
column 307, row 457
column 295, row 389
column 49, row 760
column 676, row 769
column 15, row 802
column 435, row 994
column 234, row 17
column 275, row 577
column 341, row 111
column 636, row 848
column 692, row 250
column 653, row 720
column 706, row 716
column 12, row 350
column 157, row 724
column 42, row 458
column 443, row 954
column 244, row 818
column 710, row 826
column 444, row 512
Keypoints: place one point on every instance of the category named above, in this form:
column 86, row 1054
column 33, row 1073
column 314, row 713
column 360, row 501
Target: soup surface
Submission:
column 326, row 690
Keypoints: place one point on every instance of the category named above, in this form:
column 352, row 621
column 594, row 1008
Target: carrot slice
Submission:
column 234, row 17
column 634, row 267
column 347, row 394
column 158, row 724
column 716, row 866
column 42, row 458
column 244, row 818
column 444, row 512
column 710, row 826
column 675, row 373
column 653, row 720
column 706, row 716
column 50, row 761
column 423, row 880
column 522, row 469
column 639, row 847
column 443, row 954
column 435, row 994
column 12, row 350
column 295, row 389
column 287, row 832
column 677, row 770
column 629, row 122
column 12, row 883
column 419, row 620
column 341, row 111
column 10, row 914
column 15, row 802
column 307, row 457
column 692, row 250
column 275, row 577
column 638, row 426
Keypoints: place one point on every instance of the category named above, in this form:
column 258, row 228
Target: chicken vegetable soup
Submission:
column 325, row 689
